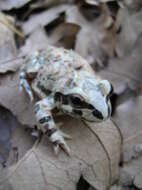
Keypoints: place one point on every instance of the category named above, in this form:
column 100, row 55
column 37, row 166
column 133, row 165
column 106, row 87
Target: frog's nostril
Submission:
column 97, row 114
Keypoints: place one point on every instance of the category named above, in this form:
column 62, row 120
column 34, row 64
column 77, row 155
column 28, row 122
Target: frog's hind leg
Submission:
column 24, row 84
column 47, row 125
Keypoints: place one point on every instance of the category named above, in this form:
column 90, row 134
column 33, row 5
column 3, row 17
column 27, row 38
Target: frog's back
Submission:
column 62, row 60
column 59, row 64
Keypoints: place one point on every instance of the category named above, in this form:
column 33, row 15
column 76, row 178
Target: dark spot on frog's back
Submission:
column 79, row 67
column 43, row 89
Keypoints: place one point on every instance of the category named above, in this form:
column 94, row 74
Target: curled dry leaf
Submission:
column 129, row 23
column 37, row 40
column 7, row 44
column 65, row 35
column 7, row 126
column 9, row 23
column 96, row 39
column 43, row 19
column 48, row 3
column 133, row 5
column 11, row 65
column 97, row 2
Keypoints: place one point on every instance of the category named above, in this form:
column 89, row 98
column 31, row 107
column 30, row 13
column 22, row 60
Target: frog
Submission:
column 60, row 79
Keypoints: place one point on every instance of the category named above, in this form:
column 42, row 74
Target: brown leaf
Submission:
column 97, row 2
column 43, row 18
column 65, row 34
column 96, row 39
column 125, row 75
column 8, row 4
column 10, row 66
column 37, row 40
column 129, row 25
column 7, row 44
column 40, row 168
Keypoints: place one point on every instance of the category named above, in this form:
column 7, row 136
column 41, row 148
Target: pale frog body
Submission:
column 62, row 79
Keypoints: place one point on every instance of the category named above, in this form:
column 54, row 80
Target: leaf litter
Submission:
column 107, row 33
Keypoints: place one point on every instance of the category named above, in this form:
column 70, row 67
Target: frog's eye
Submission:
column 76, row 100
column 105, row 87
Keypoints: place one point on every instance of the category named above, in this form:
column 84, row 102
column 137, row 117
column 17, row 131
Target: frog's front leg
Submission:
column 47, row 125
column 24, row 84
column 29, row 70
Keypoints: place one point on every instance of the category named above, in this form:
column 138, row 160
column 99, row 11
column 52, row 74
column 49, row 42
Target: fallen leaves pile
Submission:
column 108, row 34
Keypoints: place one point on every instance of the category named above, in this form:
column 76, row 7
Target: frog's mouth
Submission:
column 96, row 116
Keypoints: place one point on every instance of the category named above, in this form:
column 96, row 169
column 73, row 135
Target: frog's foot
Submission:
column 65, row 135
column 58, row 141
column 47, row 125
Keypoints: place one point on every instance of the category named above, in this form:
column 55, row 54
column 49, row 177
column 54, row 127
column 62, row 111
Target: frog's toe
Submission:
column 56, row 149
column 65, row 135
column 66, row 148
column 61, row 144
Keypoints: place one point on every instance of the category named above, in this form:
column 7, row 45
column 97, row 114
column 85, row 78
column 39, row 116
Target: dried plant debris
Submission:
column 64, row 35
column 15, row 140
column 36, row 41
column 129, row 27
column 11, row 65
column 96, row 46
column 7, row 44
column 98, row 2
column 8, row 4
column 8, row 124
column 43, row 18
column 49, row 3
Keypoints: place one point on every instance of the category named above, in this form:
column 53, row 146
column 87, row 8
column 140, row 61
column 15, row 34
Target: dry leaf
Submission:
column 97, row 2
column 37, row 40
column 43, row 18
column 127, row 72
column 10, row 65
column 7, row 44
column 96, row 39
column 48, row 3
column 41, row 169
column 64, row 35
column 8, row 4
column 130, row 26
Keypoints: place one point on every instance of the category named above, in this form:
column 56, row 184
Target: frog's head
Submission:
column 88, row 99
